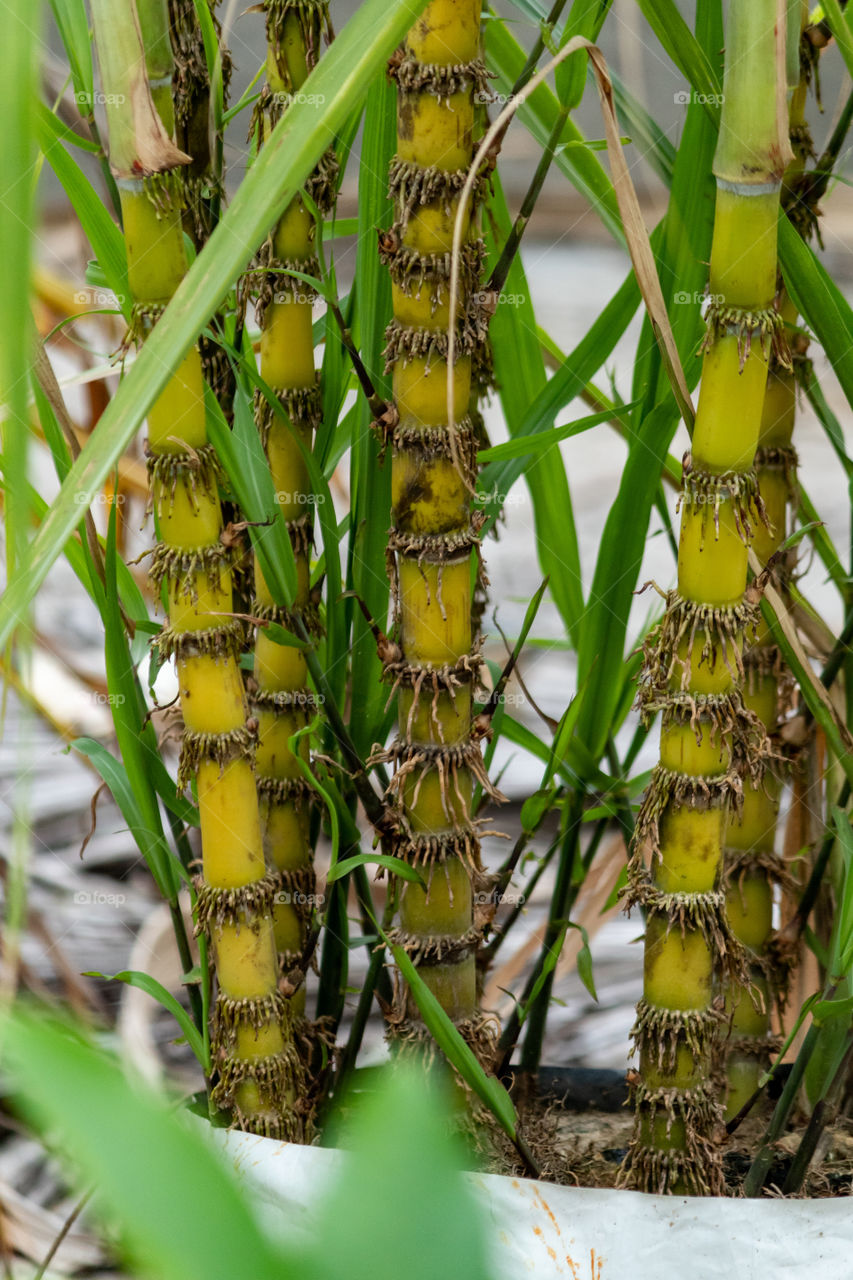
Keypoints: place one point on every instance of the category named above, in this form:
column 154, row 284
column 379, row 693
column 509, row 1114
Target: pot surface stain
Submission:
column 547, row 1208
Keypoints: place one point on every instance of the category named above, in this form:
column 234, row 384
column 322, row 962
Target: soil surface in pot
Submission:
column 578, row 1126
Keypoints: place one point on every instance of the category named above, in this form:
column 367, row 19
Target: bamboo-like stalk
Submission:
column 433, row 550
column 280, row 697
column 191, row 564
column 693, row 667
column 753, row 865
column 202, row 180
column 191, row 96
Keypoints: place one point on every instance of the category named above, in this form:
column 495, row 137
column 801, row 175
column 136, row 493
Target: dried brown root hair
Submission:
column 308, row 614
column 313, row 18
column 223, row 641
column 703, row 913
column 422, row 759
column 779, row 458
column 302, row 404
column 725, row 715
column 295, row 791
column 723, row 630
column 428, row 949
column 276, row 1077
column 433, row 848
column 221, row 748
column 410, row 342
column 765, row 324
column 183, row 565
column 709, row 490
column 411, row 185
column 198, row 471
column 435, row 442
column 658, row 1033
column 695, row 791
column 143, row 317
column 695, row 1171
column 411, row 1041
column 296, row 887
column 441, row 79
column 247, row 905
column 412, row 271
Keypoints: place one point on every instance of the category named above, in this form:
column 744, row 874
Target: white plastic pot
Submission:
column 542, row 1231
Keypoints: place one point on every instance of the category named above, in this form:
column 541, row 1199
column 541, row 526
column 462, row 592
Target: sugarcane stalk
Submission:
column 693, row 668
column 202, row 182
column 280, row 697
column 433, row 548
column 191, row 569
column 753, row 867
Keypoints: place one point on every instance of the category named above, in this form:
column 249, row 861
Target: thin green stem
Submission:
column 498, row 278
column 754, row 1180
column 557, row 919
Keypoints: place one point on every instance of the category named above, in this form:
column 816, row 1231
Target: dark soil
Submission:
column 577, row 1143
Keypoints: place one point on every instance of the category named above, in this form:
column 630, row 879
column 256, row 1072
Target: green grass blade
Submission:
column 345, row 865
column 151, row 987
column 50, row 123
column 520, row 375
column 820, row 302
column 664, row 18
column 116, row 777
column 18, row 97
column 489, row 1090
column 100, row 230
column 370, row 483
column 839, row 25
column 72, row 23
column 541, row 441
column 181, row 1214
column 602, row 644
column 581, row 166
column 644, row 131
column 685, row 248
column 242, row 455
column 569, row 380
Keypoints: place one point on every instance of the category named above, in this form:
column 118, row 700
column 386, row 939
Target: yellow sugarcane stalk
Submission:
column 280, row 697
column 693, row 667
column 191, row 565
column 753, row 865
column 433, row 549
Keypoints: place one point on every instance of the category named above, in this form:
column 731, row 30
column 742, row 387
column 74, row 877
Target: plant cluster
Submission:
column 333, row 682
